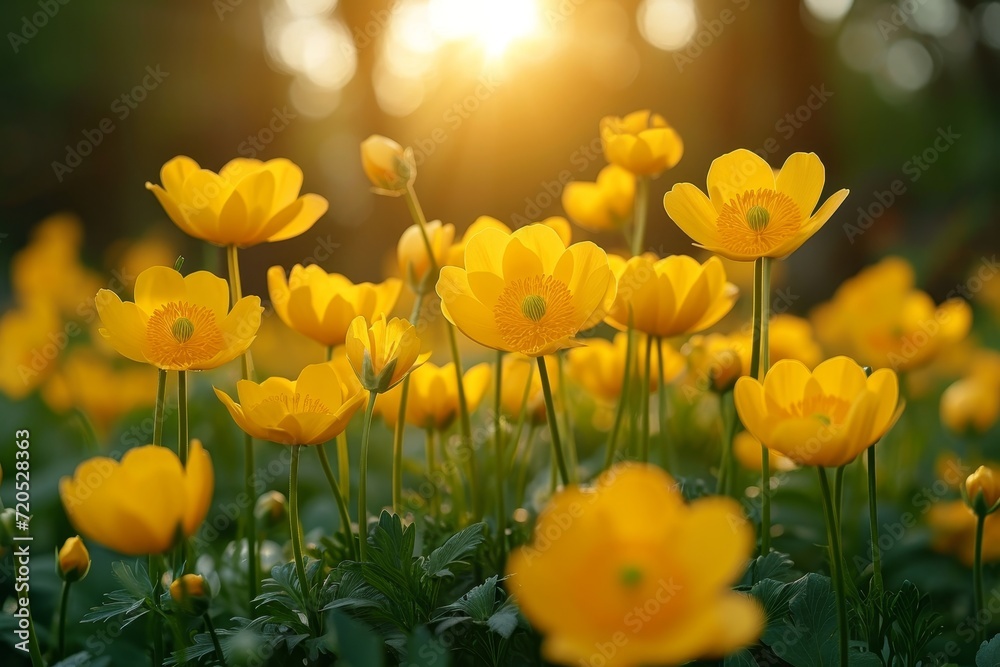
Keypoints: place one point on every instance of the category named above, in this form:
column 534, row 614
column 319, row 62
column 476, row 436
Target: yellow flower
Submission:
column 246, row 203
column 280, row 350
column 879, row 318
column 749, row 212
column 789, row 337
column 190, row 593
column 526, row 291
column 130, row 258
column 518, row 370
column 29, row 345
column 177, row 322
column 456, row 254
column 673, row 296
column 390, row 168
column 73, row 561
column 953, row 530
column 970, row 405
column 603, row 205
column 411, row 252
column 599, row 366
column 310, row 410
column 641, row 142
column 982, row 490
column 640, row 548
column 433, row 395
column 746, row 449
column 138, row 505
column 825, row 417
column 382, row 353
column 714, row 362
column 322, row 305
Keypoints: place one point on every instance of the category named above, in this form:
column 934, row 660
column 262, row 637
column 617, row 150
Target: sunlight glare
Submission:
column 494, row 24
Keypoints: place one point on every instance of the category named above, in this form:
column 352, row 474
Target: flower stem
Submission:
column 661, row 392
column 550, row 411
column 836, row 561
column 873, row 521
column 727, row 471
column 398, row 432
column 161, row 390
column 345, row 517
column 499, row 466
column 344, row 466
column 522, row 416
column 215, row 639
column 293, row 518
column 63, row 601
column 250, row 530
column 182, row 417
column 429, row 453
column 363, row 481
column 977, row 572
column 572, row 462
column 759, row 362
column 644, row 452
column 522, row 475
column 641, row 208
column 155, row 619
column 34, row 649
column 609, row 457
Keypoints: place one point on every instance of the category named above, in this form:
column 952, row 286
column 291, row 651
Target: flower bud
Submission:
column 389, row 167
column 270, row 509
column 190, row 593
column 73, row 560
column 982, row 490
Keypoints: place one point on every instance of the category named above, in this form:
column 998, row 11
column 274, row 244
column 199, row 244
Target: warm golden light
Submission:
column 494, row 24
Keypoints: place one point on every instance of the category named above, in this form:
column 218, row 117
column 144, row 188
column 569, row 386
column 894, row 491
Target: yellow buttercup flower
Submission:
column 901, row 328
column 746, row 449
column 29, row 345
column 73, row 560
column 638, row 545
column 190, row 593
column 749, row 212
column 526, row 291
column 309, row 410
column 825, row 417
column 673, row 296
column 246, row 203
column 456, row 254
column 322, row 305
column 383, row 352
column 953, row 532
column 603, row 205
column 280, row 350
column 411, row 251
column 714, row 362
column 982, row 489
column 970, row 405
column 138, row 505
column 389, row 167
column 177, row 322
column 599, row 366
column 432, row 401
column 641, row 142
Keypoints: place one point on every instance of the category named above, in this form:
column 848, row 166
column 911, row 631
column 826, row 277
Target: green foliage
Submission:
column 128, row 604
column 898, row 626
column 989, row 653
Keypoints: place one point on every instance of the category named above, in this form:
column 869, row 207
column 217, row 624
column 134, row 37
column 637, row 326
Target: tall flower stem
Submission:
column 641, row 209
column 727, row 469
column 669, row 461
column 155, row 618
column 977, row 572
column 499, row 465
column 463, row 406
column 873, row 521
column 522, row 475
column 215, row 639
column 250, row 530
column 522, row 416
column 63, row 602
column 345, row 517
column 609, row 457
column 571, row 454
column 836, row 561
column 550, row 412
column 398, row 432
column 363, row 480
column 293, row 519
column 429, row 453
column 647, row 378
column 759, row 363
column 343, row 458
column 183, row 437
column 158, row 409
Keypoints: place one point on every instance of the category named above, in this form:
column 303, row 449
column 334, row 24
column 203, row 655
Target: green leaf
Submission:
column 774, row 597
column 775, row 565
column 81, row 659
column 478, row 603
column 809, row 638
column 357, row 644
column 460, row 545
column 424, row 650
column 988, row 654
column 504, row 620
column 741, row 658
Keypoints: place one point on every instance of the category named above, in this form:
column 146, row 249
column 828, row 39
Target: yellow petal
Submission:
column 206, row 289
column 737, row 172
column 277, row 287
column 751, row 407
column 786, row 381
column 841, row 376
column 543, row 242
column 124, row 325
column 199, row 481
column 174, row 172
column 692, row 211
column 157, row 286
column 801, row 178
column 485, row 251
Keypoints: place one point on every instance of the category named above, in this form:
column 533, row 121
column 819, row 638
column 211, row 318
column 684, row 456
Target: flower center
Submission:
column 531, row 313
column 630, row 576
column 756, row 222
column 180, row 335
column 299, row 403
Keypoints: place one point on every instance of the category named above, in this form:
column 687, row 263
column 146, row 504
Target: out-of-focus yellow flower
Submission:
column 31, row 339
column 411, row 252
column 280, row 350
column 672, row 296
column 825, row 417
column 603, row 205
column 432, row 401
column 127, row 259
column 248, row 202
column 638, row 546
column 749, row 212
column 599, row 366
column 526, row 291
column 953, row 529
column 177, row 322
column 389, row 167
column 190, row 593
column 746, row 449
column 137, row 506
column 879, row 318
column 322, row 305
column 307, row 411
column 714, row 361
column 456, row 254
column 383, row 352
column 982, row 489
column 89, row 381
column 270, row 509
column 970, row 405
column 641, row 142
column 73, row 560
column 518, row 370
column 789, row 337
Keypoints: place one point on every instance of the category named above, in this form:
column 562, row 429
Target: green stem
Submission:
column 429, row 453
column 522, row 416
column 836, row 562
column 661, row 392
column 161, row 390
column 522, row 475
column 977, row 573
column 397, row 448
column 838, row 493
column 293, row 519
column 155, row 619
column 457, row 485
column 34, row 649
column 727, row 469
column 550, row 411
column 182, row 417
column 759, row 363
column 873, row 521
column 215, row 639
column 500, row 475
column 344, row 466
column 641, row 208
column 622, row 400
column 63, row 601
column 246, row 363
column 644, row 452
column 363, row 481
column 345, row 517
column 87, row 430
column 571, row 455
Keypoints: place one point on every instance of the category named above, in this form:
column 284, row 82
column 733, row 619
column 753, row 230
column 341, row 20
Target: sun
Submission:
column 494, row 24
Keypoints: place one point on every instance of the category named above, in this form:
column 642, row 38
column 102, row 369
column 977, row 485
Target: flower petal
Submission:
column 737, row 172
